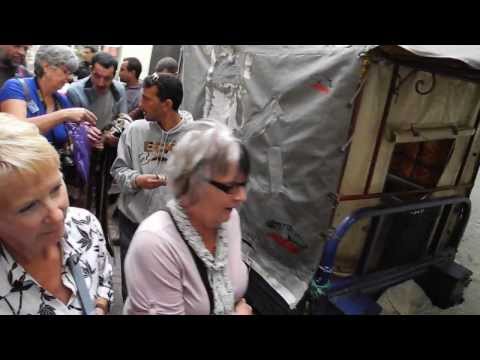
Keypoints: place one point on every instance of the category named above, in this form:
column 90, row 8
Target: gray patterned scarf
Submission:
column 216, row 266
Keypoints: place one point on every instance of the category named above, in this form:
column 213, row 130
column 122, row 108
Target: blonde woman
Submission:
column 53, row 258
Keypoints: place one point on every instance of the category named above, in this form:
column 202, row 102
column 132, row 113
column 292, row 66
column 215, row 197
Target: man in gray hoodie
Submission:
column 142, row 154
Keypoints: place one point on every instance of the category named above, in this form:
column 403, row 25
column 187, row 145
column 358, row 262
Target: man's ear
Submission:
column 169, row 103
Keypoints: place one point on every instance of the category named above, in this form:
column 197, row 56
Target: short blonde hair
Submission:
column 23, row 150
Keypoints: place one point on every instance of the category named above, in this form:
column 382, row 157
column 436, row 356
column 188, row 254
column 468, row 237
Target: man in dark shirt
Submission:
column 88, row 52
column 12, row 62
column 106, row 98
column 130, row 71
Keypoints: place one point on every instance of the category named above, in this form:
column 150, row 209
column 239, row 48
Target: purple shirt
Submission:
column 162, row 277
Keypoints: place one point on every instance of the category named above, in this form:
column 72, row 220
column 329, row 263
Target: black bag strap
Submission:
column 200, row 265
column 26, row 92
column 85, row 299
column 28, row 98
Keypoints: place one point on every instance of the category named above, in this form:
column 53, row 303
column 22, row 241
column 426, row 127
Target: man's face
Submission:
column 124, row 74
column 102, row 78
column 15, row 54
column 87, row 54
column 152, row 106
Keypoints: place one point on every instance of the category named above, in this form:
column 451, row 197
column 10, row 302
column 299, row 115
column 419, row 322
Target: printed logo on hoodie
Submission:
column 155, row 151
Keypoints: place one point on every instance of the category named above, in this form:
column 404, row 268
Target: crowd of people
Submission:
column 70, row 134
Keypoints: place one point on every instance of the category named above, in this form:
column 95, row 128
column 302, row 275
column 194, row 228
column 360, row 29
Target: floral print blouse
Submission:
column 20, row 294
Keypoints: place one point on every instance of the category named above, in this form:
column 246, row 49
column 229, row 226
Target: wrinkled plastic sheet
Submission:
column 292, row 107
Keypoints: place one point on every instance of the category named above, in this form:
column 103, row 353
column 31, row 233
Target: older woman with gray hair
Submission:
column 187, row 258
column 53, row 258
column 37, row 98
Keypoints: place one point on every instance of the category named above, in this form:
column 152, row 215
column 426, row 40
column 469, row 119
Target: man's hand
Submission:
column 242, row 308
column 110, row 140
column 79, row 115
column 95, row 137
column 150, row 181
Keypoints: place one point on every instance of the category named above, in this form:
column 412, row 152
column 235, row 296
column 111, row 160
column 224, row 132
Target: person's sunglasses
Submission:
column 227, row 188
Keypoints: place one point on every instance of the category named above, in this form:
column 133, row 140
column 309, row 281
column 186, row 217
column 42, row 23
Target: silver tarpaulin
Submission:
column 292, row 107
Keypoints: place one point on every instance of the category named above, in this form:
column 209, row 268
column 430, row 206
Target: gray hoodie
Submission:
column 144, row 148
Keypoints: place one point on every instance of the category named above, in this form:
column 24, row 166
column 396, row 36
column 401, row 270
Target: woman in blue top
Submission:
column 38, row 98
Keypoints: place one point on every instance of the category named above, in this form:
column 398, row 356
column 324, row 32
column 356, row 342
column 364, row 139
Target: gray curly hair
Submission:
column 206, row 150
column 55, row 55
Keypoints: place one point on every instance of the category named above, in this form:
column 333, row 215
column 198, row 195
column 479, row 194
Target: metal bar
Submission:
column 402, row 181
column 433, row 232
column 444, row 215
column 386, row 111
column 353, row 124
column 442, row 238
column 372, row 245
column 467, row 152
column 351, row 197
column 456, row 233
column 389, row 277
column 331, row 245
column 458, row 230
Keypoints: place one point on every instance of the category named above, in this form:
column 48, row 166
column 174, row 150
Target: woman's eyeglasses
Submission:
column 227, row 188
column 65, row 70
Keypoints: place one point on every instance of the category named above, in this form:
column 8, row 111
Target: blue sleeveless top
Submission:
column 13, row 89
